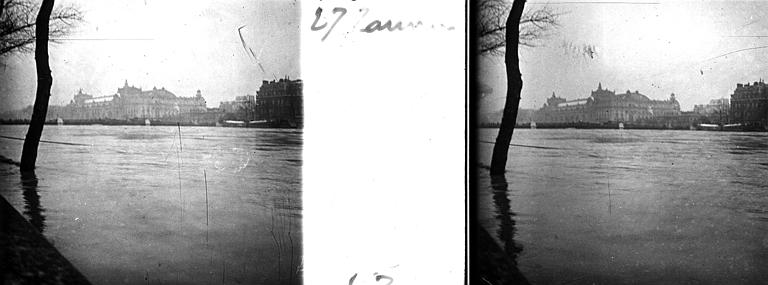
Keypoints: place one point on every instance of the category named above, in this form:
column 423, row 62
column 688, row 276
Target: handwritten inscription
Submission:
column 373, row 26
column 319, row 12
column 376, row 276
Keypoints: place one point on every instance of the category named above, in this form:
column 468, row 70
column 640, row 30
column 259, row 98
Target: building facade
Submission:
column 604, row 106
column 749, row 104
column 133, row 103
column 281, row 102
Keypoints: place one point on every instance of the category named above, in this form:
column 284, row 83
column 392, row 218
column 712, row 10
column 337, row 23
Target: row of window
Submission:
column 749, row 105
column 751, row 115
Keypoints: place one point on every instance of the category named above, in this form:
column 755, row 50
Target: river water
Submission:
column 136, row 204
column 630, row 206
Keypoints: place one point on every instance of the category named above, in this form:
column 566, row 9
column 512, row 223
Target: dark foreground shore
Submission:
column 490, row 264
column 26, row 257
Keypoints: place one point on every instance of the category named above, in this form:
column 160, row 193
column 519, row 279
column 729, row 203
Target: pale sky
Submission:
column 180, row 45
column 657, row 49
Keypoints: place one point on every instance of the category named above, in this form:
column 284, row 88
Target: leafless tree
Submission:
column 44, row 82
column 18, row 22
column 22, row 24
column 490, row 26
column 495, row 36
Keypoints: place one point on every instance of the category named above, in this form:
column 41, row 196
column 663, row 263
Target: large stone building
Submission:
column 281, row 102
column 133, row 103
column 605, row 106
column 749, row 105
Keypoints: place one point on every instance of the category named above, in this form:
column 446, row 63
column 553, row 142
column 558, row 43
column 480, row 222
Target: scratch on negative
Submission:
column 740, row 50
column 249, row 51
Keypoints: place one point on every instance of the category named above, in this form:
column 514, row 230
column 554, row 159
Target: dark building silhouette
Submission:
column 749, row 104
column 281, row 102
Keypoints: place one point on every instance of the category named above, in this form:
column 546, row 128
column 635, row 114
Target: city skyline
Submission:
column 276, row 103
column 225, row 99
column 697, row 50
column 180, row 47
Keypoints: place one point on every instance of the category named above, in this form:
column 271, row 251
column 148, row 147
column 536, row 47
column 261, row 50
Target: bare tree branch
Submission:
column 17, row 24
column 490, row 26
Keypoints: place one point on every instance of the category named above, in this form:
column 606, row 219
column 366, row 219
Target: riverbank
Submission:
column 142, row 122
column 27, row 257
column 628, row 126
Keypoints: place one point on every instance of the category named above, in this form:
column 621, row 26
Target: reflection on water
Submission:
column 630, row 206
column 494, row 258
column 506, row 231
column 746, row 144
column 32, row 207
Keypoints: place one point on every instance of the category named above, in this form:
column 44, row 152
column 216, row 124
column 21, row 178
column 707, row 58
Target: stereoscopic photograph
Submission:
column 150, row 142
column 618, row 142
column 583, row 142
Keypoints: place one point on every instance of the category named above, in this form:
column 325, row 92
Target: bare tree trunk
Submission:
column 43, row 94
column 514, row 87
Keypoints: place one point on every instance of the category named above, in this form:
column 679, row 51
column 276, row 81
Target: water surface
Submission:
column 631, row 206
column 127, row 204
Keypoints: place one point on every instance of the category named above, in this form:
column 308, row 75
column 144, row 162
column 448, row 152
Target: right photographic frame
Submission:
column 616, row 142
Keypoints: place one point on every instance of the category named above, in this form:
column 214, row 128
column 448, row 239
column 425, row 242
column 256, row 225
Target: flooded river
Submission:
column 149, row 205
column 630, row 206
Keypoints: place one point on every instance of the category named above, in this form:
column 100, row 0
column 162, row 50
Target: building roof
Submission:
column 573, row 103
column 633, row 97
column 99, row 99
column 158, row 93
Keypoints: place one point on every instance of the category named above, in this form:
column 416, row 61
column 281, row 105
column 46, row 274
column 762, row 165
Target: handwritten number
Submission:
column 336, row 10
column 319, row 12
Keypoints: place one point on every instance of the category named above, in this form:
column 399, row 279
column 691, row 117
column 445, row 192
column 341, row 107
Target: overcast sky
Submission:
column 657, row 49
column 180, row 45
